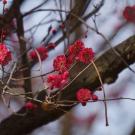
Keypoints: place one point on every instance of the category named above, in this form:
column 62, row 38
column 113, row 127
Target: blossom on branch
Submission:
column 58, row 80
column 86, row 55
column 5, row 55
column 43, row 53
column 60, row 63
column 76, row 48
column 83, row 95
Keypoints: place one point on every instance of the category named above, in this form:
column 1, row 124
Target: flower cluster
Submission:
column 83, row 95
column 79, row 52
column 129, row 13
column 42, row 51
column 5, row 55
column 62, row 63
column 75, row 49
column 61, row 79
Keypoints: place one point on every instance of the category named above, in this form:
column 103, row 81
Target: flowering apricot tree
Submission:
column 77, row 73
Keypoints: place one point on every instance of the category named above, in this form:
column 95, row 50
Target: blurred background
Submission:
column 109, row 20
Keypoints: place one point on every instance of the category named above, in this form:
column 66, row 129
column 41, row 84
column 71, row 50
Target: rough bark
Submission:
column 109, row 66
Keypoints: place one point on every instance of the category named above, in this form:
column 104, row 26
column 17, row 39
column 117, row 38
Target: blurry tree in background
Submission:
column 55, row 54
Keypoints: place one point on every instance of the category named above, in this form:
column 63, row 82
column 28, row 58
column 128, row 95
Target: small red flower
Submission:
column 76, row 48
column 30, row 106
column 86, row 55
column 42, row 52
column 60, row 63
column 83, row 95
column 129, row 13
column 58, row 81
column 5, row 55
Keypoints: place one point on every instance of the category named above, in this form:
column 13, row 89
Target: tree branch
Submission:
column 24, row 59
column 109, row 66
